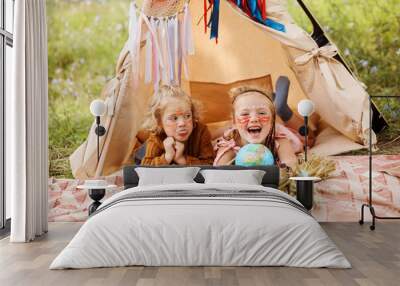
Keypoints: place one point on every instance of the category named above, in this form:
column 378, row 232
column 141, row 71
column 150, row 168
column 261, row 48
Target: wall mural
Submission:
column 202, row 83
column 180, row 98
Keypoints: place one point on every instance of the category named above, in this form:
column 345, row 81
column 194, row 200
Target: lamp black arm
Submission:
column 303, row 130
column 100, row 131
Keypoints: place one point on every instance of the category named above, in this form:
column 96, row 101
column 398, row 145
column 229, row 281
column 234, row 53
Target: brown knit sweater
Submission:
column 198, row 148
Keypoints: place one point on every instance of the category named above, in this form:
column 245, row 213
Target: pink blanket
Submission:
column 336, row 199
column 340, row 197
column 67, row 203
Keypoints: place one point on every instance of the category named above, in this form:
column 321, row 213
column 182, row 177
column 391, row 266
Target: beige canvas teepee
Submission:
column 246, row 52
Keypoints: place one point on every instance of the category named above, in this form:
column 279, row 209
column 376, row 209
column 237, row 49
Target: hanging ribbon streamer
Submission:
column 205, row 16
column 186, row 37
column 214, row 20
column 163, row 32
column 169, row 41
column 187, row 19
column 263, row 7
column 176, row 52
column 156, row 53
column 152, row 26
column 183, row 45
column 171, row 49
column 256, row 9
column 179, row 50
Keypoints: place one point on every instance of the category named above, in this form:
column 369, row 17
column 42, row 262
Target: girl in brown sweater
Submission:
column 177, row 136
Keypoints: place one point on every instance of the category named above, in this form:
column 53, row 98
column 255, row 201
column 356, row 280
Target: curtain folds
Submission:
column 27, row 139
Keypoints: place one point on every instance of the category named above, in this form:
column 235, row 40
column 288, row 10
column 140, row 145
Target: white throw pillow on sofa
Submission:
column 166, row 176
column 248, row 177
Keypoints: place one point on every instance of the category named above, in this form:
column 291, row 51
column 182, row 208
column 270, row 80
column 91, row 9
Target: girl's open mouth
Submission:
column 254, row 131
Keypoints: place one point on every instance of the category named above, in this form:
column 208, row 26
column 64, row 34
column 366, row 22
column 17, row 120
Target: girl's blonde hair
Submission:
column 235, row 92
column 242, row 90
column 160, row 100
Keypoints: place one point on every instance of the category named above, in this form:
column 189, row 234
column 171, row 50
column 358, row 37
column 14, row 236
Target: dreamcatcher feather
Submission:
column 165, row 25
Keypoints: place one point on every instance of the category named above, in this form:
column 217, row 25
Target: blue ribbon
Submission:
column 214, row 19
column 269, row 22
column 252, row 4
column 257, row 15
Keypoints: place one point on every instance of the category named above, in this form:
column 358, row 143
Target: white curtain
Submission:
column 26, row 124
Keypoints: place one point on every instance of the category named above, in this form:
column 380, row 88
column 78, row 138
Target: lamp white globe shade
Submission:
column 305, row 107
column 97, row 107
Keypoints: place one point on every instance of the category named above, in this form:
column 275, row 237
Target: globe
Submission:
column 254, row 155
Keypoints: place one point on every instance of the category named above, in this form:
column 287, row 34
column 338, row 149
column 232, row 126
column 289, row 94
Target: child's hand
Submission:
column 169, row 143
column 179, row 157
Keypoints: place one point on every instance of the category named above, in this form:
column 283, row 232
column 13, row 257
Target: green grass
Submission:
column 84, row 41
column 85, row 38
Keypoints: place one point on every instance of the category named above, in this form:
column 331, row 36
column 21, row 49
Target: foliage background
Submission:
column 86, row 36
column 84, row 41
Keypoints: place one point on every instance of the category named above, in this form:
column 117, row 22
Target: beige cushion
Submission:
column 215, row 96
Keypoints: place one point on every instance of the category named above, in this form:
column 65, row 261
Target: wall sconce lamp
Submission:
column 98, row 108
column 305, row 108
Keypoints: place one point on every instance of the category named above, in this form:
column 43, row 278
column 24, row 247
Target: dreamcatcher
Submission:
column 166, row 27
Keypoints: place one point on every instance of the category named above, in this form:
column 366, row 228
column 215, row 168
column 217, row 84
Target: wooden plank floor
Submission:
column 375, row 257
